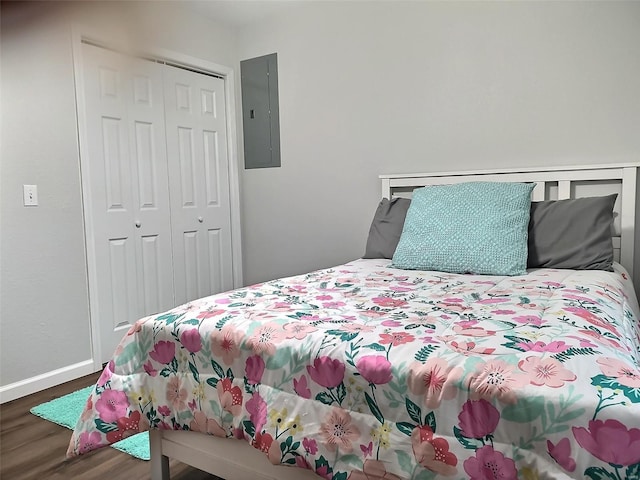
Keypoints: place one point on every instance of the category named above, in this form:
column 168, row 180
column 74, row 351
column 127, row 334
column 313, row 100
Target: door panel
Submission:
column 199, row 183
column 127, row 199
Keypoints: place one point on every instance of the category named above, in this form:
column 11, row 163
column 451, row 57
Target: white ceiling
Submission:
column 237, row 13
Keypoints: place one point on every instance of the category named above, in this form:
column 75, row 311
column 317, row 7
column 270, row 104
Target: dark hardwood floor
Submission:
column 34, row 449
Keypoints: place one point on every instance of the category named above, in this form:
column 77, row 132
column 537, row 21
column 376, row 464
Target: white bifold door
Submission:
column 155, row 188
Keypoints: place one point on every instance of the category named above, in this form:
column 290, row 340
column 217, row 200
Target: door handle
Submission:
column 138, row 224
column 200, row 219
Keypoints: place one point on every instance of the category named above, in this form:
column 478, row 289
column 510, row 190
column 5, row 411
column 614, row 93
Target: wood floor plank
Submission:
column 32, row 448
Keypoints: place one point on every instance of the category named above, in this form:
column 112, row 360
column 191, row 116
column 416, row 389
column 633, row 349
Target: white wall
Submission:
column 44, row 309
column 386, row 87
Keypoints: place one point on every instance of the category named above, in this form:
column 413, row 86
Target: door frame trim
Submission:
column 79, row 35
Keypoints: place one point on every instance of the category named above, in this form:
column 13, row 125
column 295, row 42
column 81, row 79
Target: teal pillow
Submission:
column 473, row 227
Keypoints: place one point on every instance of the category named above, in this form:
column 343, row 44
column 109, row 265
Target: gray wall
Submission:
column 44, row 309
column 387, row 87
column 365, row 88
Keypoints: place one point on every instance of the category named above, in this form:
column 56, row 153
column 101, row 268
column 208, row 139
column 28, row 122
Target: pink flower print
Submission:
column 601, row 339
column 553, row 347
column 105, row 376
column 373, row 313
column 164, row 410
column 254, row 368
column 548, row 371
column 301, row 388
column 584, row 342
column 210, row 312
column 436, row 380
column 372, row 470
column 257, row 409
column 89, row 441
column 489, row 464
column 388, row 302
column 356, row 327
column 310, row 445
column 610, row 441
column 478, row 418
column 391, row 323
column 176, row 395
column 324, row 297
column 148, row 367
column 326, row 372
column 467, row 347
column 112, row 405
column 433, row 453
column 492, row 300
column 624, row 373
column 338, row 431
column 298, row 330
column 333, row 305
column 497, row 378
column 136, row 327
column 163, row 352
column 190, row 339
column 528, row 319
column 375, row 369
column 225, row 344
column 128, row 426
column 265, row 338
column 561, row 453
column 88, row 410
column 264, row 442
column 503, row 312
column 470, row 329
column 591, row 318
column 201, row 423
column 397, row 338
column 230, row 397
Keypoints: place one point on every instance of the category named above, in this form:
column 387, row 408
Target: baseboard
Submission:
column 45, row 380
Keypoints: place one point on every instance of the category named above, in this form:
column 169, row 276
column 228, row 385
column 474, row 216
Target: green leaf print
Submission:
column 406, row 427
column 375, row 346
column 128, row 353
column 404, row 460
column 599, row 473
column 375, row 411
column 218, row 369
column 467, row 443
column 526, row 410
column 194, row 371
column 280, row 359
column 325, row 398
column 430, row 420
column 633, row 472
column 423, row 354
column 170, row 318
column 105, row 427
column 414, row 411
column 572, row 352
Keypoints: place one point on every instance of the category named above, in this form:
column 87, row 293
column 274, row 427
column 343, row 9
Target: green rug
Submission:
column 66, row 411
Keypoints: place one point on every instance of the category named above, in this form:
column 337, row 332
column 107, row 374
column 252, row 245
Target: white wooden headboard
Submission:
column 553, row 183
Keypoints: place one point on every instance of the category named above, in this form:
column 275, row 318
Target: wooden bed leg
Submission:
column 159, row 462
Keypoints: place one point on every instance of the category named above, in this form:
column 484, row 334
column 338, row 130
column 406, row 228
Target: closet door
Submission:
column 199, row 183
column 126, row 193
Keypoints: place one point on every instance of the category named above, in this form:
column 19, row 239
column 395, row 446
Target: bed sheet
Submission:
column 364, row 371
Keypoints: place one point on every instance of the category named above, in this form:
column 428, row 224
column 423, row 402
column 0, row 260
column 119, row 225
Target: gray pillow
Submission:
column 574, row 234
column 386, row 228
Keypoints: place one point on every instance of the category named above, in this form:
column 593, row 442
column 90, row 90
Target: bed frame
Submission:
column 237, row 460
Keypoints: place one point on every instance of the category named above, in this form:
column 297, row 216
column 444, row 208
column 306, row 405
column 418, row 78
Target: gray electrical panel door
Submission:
column 260, row 115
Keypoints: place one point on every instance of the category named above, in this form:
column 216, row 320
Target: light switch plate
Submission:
column 30, row 195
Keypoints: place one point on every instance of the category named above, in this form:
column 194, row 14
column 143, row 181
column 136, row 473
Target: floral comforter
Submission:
column 367, row 372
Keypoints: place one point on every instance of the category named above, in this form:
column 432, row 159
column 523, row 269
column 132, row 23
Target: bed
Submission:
column 371, row 371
